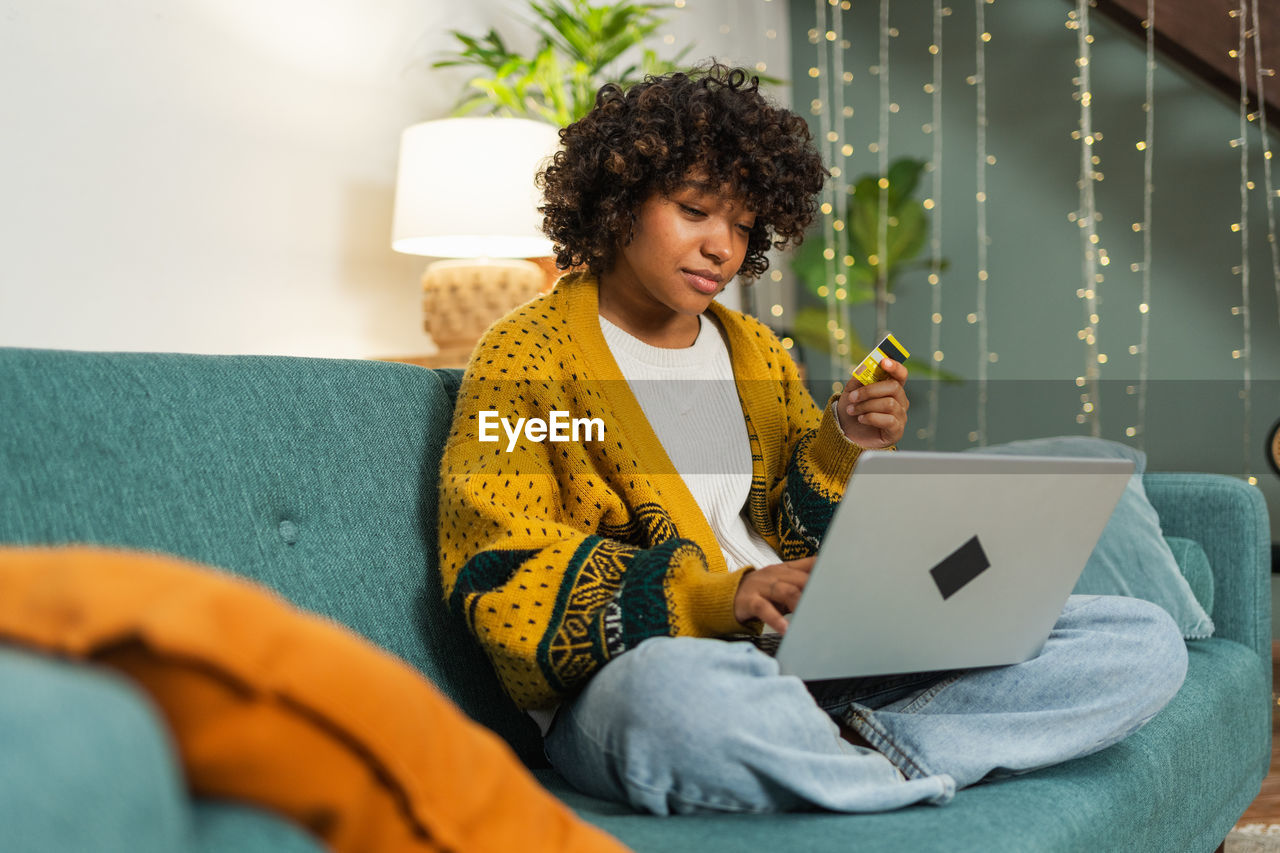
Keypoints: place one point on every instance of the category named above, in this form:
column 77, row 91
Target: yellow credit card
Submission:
column 870, row 370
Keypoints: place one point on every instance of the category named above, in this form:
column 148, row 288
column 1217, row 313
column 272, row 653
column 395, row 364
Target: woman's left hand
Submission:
column 875, row 416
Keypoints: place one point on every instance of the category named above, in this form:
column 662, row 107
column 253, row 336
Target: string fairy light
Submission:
column 753, row 295
column 1087, row 219
column 934, row 204
column 775, row 288
column 822, row 35
column 1245, row 354
column 980, row 315
column 828, row 35
column 1144, row 307
column 882, row 165
column 840, row 153
column 846, row 149
column 1259, row 73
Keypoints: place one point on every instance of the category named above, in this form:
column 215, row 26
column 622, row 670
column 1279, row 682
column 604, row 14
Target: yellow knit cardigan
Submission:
column 563, row 555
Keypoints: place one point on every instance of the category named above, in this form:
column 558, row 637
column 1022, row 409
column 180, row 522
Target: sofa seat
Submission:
column 221, row 826
column 89, row 765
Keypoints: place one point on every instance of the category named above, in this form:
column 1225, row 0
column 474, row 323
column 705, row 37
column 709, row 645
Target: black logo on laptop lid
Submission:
column 961, row 566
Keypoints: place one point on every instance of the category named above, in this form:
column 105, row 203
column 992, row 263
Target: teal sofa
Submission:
column 318, row 478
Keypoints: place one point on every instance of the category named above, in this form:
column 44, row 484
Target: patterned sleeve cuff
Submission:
column 832, row 452
column 708, row 600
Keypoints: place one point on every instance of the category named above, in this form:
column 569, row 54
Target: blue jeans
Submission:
column 685, row 725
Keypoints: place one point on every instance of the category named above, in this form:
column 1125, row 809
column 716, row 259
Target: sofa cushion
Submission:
column 315, row 477
column 281, row 708
column 1131, row 557
column 86, row 762
column 1193, row 562
column 224, row 826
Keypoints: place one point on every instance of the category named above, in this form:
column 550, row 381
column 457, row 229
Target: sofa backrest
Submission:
column 315, row 477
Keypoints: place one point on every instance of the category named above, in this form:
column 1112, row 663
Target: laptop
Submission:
column 937, row 561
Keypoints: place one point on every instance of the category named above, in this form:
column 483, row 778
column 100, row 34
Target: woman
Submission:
column 613, row 579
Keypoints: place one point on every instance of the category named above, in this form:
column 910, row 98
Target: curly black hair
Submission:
column 650, row 137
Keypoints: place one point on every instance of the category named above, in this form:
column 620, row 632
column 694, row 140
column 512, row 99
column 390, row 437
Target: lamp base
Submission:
column 462, row 298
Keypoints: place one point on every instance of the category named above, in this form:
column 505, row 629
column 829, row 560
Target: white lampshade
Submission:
column 465, row 188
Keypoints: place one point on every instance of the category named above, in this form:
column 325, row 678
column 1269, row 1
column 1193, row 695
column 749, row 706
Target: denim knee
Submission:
column 1151, row 646
column 673, row 725
column 684, row 683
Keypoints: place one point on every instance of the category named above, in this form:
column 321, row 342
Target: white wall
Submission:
column 218, row 175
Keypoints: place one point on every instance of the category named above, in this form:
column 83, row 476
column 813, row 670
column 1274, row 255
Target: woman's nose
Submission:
column 717, row 244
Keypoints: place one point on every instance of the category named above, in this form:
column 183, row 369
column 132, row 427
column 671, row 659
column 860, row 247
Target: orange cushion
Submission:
column 285, row 709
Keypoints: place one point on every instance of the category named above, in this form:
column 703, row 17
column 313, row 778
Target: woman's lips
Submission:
column 701, row 282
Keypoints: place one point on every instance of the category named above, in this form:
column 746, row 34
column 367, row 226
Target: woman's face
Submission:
column 685, row 248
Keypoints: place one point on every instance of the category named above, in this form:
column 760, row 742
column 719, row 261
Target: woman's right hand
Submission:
column 771, row 592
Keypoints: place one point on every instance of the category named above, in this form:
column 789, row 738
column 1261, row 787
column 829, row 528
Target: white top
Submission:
column 690, row 400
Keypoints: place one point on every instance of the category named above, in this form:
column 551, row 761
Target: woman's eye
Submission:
column 692, row 211
column 746, row 229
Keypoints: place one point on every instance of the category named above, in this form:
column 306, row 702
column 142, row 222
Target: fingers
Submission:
column 891, row 387
column 782, row 584
column 770, row 616
column 769, row 608
column 895, row 369
column 880, row 411
column 771, row 592
column 804, row 564
column 785, row 593
column 897, row 373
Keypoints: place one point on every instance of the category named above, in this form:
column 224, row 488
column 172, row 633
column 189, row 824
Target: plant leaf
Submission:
column 904, row 174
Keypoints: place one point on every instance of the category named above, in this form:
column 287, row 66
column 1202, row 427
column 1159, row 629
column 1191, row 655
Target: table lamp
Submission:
column 465, row 190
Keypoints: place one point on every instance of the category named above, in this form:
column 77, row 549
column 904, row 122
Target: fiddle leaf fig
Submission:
column 906, row 233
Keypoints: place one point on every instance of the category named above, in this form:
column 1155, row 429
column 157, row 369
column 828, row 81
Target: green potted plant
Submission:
column 580, row 48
